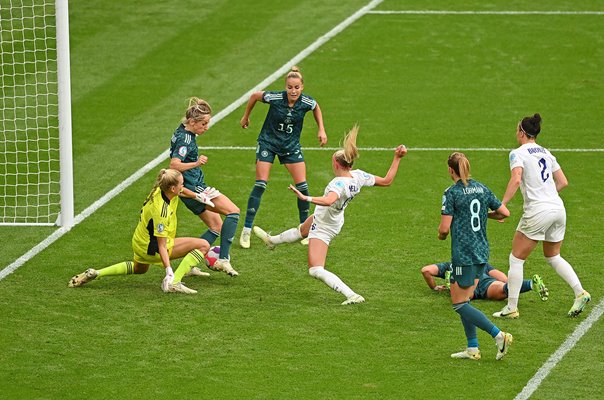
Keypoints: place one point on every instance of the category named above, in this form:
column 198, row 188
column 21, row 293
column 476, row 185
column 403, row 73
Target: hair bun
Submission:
column 537, row 118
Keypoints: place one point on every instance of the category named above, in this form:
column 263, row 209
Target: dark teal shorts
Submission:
column 263, row 153
column 482, row 288
column 465, row 275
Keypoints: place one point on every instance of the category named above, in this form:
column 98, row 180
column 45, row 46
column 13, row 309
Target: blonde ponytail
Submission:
column 346, row 156
column 461, row 165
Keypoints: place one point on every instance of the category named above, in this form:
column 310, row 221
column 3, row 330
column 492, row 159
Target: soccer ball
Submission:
column 212, row 256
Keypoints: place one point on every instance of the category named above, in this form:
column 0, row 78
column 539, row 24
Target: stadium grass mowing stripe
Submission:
column 164, row 155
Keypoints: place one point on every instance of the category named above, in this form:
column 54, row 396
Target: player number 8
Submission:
column 475, row 219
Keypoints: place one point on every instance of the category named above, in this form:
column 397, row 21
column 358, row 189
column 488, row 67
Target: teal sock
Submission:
column 227, row 233
column 527, row 285
column 303, row 206
column 470, row 330
column 253, row 202
column 210, row 236
column 475, row 317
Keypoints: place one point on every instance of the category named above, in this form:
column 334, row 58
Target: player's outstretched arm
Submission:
column 328, row 200
column 399, row 153
column 254, row 98
column 319, row 119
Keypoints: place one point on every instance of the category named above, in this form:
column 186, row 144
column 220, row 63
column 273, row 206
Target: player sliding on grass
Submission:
column 492, row 284
column 155, row 241
column 184, row 157
column 538, row 175
column 280, row 137
column 328, row 218
column 464, row 212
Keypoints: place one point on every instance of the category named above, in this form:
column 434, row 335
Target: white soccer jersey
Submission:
column 346, row 188
column 538, row 187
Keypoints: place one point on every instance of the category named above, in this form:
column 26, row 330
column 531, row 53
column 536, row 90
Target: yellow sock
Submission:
column 194, row 258
column 123, row 268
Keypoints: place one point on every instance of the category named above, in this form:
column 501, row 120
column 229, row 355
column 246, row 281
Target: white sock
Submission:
column 566, row 272
column 331, row 280
column 289, row 236
column 515, row 275
column 246, row 230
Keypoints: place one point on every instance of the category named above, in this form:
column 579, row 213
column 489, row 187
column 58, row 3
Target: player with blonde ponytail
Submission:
column 280, row 137
column 464, row 213
column 328, row 218
column 154, row 240
column 184, row 157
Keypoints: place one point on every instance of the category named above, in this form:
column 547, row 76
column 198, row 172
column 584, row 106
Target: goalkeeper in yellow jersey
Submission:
column 155, row 241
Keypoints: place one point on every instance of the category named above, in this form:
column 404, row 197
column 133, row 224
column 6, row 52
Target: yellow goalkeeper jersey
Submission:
column 157, row 219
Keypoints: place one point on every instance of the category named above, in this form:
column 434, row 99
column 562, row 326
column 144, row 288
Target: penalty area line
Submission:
column 564, row 348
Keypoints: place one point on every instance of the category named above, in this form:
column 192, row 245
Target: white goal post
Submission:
column 36, row 173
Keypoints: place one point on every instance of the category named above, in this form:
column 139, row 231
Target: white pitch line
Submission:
column 159, row 159
column 564, row 348
column 475, row 12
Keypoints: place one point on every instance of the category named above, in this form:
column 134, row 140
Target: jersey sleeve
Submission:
column 447, row 203
column 515, row 160
column 160, row 228
column 160, row 219
column 366, row 179
column 338, row 186
column 309, row 102
column 555, row 165
column 268, row 97
column 178, row 147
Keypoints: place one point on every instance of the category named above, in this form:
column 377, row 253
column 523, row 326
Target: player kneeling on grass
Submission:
column 328, row 218
column 154, row 240
column 492, row 284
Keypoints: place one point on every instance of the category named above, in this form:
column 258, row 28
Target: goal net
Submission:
column 34, row 144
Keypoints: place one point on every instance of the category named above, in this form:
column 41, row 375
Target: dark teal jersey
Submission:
column 283, row 124
column 184, row 147
column 469, row 206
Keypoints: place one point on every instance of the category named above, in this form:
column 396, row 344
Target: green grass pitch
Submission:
column 426, row 80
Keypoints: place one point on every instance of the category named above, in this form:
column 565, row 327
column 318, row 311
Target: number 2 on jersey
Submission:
column 544, row 174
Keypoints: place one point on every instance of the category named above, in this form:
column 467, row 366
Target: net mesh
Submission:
column 29, row 141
